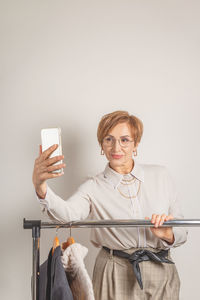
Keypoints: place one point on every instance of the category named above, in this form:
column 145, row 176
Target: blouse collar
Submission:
column 115, row 177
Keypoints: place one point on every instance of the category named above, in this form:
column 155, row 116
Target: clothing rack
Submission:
column 37, row 225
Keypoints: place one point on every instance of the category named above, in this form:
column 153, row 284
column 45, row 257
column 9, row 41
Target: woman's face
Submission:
column 118, row 146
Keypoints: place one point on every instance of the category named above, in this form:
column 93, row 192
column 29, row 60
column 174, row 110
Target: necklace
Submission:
column 128, row 197
column 128, row 181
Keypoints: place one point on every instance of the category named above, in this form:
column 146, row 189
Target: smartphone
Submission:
column 49, row 137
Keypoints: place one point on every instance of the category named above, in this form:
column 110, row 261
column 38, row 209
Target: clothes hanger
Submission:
column 56, row 242
column 69, row 241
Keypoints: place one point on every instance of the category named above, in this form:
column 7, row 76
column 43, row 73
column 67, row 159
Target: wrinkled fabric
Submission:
column 114, row 279
column 149, row 189
column 79, row 280
column 142, row 255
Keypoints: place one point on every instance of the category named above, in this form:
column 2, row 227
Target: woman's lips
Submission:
column 116, row 156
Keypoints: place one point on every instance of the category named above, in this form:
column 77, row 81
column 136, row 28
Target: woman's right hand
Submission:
column 43, row 167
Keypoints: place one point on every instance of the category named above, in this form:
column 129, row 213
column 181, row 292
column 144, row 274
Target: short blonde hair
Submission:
column 110, row 120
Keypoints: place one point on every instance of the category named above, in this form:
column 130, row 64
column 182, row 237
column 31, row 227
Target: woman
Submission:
column 125, row 190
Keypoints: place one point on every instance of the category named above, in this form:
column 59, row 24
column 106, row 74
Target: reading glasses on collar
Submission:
column 124, row 142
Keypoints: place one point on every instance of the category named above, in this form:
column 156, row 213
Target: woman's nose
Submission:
column 116, row 145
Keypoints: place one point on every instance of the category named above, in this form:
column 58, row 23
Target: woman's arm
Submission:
column 165, row 233
column 170, row 236
column 75, row 208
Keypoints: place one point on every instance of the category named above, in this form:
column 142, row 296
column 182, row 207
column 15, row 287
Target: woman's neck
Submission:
column 123, row 169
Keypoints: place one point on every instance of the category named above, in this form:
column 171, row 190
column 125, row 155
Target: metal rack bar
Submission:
column 37, row 225
column 121, row 223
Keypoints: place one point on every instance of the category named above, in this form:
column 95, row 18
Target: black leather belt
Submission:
column 141, row 255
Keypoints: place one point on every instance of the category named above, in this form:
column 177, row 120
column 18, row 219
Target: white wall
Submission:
column 67, row 63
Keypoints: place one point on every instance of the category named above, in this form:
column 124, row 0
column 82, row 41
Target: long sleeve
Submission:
column 180, row 233
column 105, row 196
column 77, row 207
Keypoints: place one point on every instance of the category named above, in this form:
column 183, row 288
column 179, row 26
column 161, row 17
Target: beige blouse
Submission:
column 146, row 190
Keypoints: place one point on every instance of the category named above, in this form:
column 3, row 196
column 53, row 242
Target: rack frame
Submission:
column 37, row 225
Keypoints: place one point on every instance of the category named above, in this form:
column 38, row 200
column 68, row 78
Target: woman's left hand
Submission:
column 164, row 233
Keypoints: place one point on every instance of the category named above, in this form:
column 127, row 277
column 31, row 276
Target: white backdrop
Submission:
column 67, row 63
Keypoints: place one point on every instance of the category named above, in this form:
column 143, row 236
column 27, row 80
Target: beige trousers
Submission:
column 114, row 279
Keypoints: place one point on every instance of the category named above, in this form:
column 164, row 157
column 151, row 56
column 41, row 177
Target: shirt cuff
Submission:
column 46, row 205
column 44, row 201
column 179, row 238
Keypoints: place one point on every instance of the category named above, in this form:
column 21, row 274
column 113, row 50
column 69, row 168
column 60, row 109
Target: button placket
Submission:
column 142, row 229
column 135, row 210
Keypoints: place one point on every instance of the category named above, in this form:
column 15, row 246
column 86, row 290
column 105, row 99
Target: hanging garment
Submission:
column 79, row 280
column 53, row 283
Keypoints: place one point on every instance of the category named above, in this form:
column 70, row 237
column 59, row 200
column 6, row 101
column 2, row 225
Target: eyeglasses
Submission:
column 124, row 142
